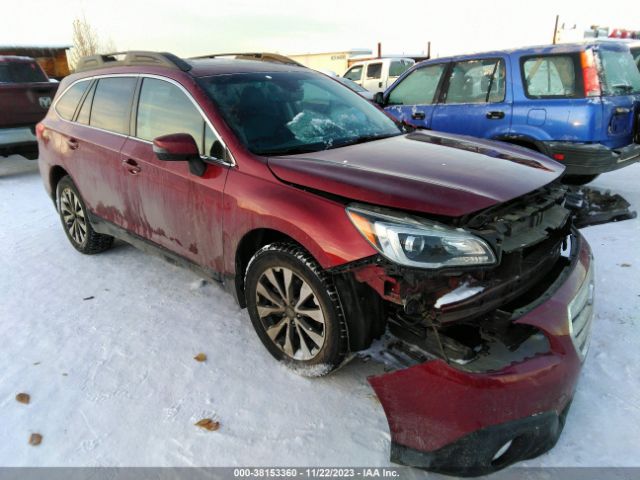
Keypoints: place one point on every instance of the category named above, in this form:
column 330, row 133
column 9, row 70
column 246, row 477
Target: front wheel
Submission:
column 295, row 310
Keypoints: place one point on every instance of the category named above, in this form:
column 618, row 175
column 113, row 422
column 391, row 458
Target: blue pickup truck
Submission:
column 577, row 103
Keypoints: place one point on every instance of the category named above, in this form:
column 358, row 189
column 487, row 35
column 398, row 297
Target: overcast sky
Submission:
column 191, row 27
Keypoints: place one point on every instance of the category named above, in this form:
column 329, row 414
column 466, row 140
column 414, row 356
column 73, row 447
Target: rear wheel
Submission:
column 75, row 221
column 295, row 310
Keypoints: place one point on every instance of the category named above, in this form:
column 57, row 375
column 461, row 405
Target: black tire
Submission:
column 75, row 220
column 279, row 262
column 578, row 179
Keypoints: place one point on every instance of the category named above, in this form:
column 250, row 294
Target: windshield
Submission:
column 295, row 112
column 621, row 75
column 21, row 72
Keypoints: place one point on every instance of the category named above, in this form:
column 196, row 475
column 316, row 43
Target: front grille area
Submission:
column 581, row 314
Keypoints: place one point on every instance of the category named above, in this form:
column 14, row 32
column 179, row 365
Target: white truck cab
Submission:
column 377, row 74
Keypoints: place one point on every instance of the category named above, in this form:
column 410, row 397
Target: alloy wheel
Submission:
column 73, row 216
column 290, row 313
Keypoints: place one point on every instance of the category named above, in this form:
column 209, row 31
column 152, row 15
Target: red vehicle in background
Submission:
column 26, row 94
column 335, row 227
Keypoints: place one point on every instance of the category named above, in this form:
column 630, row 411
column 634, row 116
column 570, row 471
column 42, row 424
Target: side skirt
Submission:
column 106, row 227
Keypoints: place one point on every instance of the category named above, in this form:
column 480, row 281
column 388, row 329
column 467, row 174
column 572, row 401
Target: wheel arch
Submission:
column 56, row 174
column 248, row 245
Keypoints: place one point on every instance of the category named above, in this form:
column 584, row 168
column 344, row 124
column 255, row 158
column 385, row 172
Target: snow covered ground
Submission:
column 105, row 345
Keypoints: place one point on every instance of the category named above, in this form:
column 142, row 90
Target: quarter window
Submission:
column 112, row 103
column 476, row 81
column 374, row 71
column 68, row 103
column 419, row 87
column 85, row 110
column 550, row 76
column 355, row 74
column 164, row 109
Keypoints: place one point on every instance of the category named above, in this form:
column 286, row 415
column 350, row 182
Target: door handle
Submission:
column 418, row 115
column 131, row 166
column 73, row 143
column 495, row 115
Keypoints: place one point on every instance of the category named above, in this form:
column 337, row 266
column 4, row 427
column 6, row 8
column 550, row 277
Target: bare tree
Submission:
column 86, row 41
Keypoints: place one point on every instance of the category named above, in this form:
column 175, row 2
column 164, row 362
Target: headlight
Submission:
column 415, row 242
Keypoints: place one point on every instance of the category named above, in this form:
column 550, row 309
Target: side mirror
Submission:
column 379, row 98
column 180, row 147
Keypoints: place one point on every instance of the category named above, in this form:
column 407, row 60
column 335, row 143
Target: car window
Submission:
column 374, row 71
column 636, row 56
column 398, row 67
column 418, row 88
column 355, row 74
column 85, row 111
column 476, row 81
column 66, row 105
column 621, row 76
column 163, row 108
column 21, row 72
column 550, row 76
column 111, row 105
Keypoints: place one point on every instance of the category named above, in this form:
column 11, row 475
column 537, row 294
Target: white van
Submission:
column 378, row 74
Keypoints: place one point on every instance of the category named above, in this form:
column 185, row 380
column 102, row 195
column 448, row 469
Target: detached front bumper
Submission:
column 448, row 419
column 592, row 158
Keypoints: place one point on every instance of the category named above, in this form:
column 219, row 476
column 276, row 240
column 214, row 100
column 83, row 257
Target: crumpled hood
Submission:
column 427, row 172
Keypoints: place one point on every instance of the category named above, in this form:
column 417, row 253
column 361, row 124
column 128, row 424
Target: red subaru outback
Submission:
column 335, row 227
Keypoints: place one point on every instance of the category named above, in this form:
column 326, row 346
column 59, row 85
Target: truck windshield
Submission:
column 283, row 113
column 21, row 72
column 620, row 72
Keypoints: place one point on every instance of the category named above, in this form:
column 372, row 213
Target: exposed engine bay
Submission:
column 468, row 316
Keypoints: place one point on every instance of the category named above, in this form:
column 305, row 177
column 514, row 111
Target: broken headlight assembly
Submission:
column 416, row 242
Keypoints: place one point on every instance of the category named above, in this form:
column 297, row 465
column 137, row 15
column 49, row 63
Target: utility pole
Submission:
column 555, row 30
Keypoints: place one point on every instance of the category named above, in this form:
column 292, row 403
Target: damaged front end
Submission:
column 482, row 359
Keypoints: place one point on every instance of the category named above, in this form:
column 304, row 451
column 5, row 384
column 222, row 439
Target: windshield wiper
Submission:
column 288, row 151
column 361, row 139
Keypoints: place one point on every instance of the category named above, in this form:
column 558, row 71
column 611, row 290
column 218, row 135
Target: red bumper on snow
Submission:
column 466, row 423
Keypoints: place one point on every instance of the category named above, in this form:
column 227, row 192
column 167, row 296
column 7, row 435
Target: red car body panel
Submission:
column 425, row 177
column 433, row 404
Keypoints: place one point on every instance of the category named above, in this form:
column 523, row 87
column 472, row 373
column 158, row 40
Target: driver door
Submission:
column 174, row 208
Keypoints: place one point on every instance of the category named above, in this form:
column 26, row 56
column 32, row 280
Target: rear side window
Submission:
column 418, row 88
column 21, row 72
column 85, row 109
column 477, row 81
column 374, row 71
column 550, row 76
column 355, row 74
column 164, row 109
column 68, row 102
column 112, row 104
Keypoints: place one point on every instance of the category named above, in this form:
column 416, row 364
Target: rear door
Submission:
column 475, row 100
column 174, row 208
column 91, row 145
column 412, row 99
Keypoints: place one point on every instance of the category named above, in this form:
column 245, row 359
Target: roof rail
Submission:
column 260, row 56
column 140, row 58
